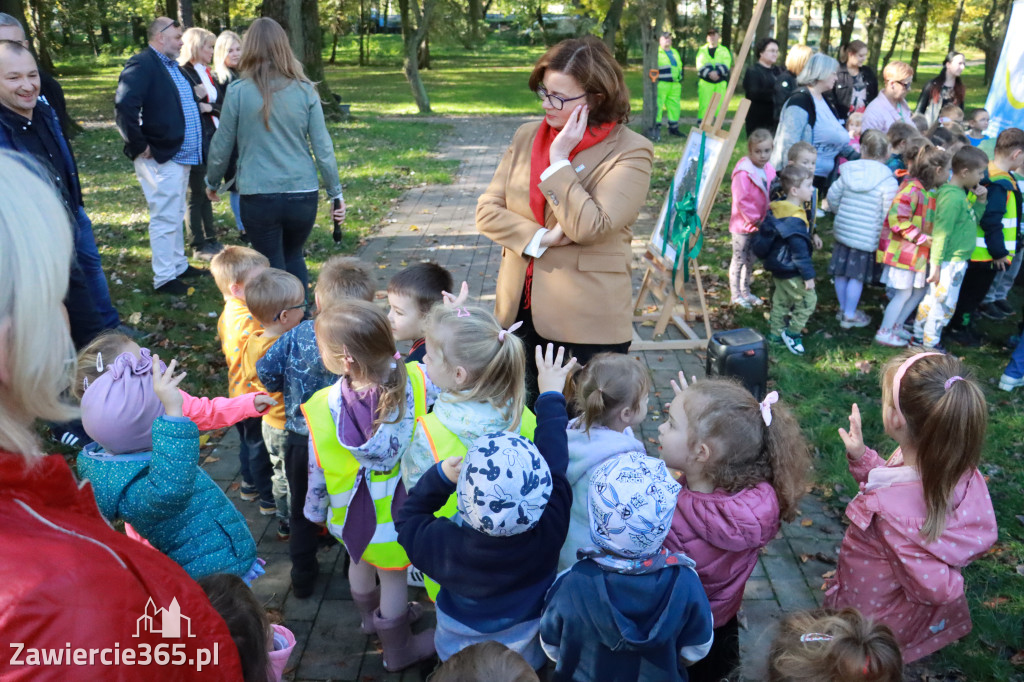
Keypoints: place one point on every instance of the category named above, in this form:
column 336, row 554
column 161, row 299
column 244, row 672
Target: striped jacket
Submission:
column 906, row 234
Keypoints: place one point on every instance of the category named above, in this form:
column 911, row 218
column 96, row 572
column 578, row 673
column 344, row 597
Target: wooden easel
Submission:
column 658, row 281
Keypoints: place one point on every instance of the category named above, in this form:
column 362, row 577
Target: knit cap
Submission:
column 631, row 499
column 119, row 407
column 504, row 485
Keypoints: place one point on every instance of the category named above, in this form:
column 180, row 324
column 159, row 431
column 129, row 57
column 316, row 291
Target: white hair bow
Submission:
column 766, row 407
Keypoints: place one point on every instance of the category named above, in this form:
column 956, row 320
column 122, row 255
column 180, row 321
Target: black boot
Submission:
column 655, row 133
column 673, row 129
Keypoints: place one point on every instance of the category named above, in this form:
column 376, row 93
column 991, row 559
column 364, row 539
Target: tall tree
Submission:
column 415, row 23
column 782, row 27
column 846, row 32
column 876, row 31
column 42, row 18
column 825, row 43
column 805, row 27
column 727, row 7
column 955, row 28
column 301, row 21
column 709, row 14
column 101, row 13
column 16, row 8
column 612, row 20
column 476, row 18
column 649, row 14
column 994, row 29
column 921, row 22
column 745, row 12
column 896, row 35
column 185, row 13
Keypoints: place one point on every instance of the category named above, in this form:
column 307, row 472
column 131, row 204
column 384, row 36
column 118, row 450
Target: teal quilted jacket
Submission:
column 171, row 501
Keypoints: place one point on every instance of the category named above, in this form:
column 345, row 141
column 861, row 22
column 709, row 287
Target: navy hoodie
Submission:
column 602, row 625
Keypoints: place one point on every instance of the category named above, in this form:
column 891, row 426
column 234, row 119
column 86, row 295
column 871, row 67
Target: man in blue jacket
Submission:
column 157, row 116
column 30, row 126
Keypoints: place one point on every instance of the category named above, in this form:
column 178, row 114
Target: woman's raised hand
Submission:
column 853, row 439
column 551, row 373
column 570, row 135
column 165, row 386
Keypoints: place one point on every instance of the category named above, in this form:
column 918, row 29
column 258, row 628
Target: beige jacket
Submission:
column 582, row 293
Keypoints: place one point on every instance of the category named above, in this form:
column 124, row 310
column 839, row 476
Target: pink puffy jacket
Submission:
column 724, row 532
column 892, row 574
column 749, row 197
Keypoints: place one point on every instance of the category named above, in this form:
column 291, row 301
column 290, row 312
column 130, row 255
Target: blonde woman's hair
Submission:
column 608, row 384
column 360, row 331
column 946, row 425
column 897, row 71
column 796, row 58
column 491, row 661
column 267, row 59
column 234, row 265
column 191, row 42
column 469, row 338
column 812, row 646
column 270, row 292
column 744, row 451
column 105, row 348
column 221, row 48
column 35, row 261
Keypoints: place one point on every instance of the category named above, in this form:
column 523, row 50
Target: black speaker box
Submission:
column 742, row 354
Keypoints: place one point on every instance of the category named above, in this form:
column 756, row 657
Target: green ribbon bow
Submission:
column 685, row 223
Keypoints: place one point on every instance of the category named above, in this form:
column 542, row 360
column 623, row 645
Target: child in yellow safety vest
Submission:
column 359, row 430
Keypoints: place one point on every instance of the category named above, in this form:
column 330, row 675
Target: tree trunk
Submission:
column 170, row 9
column 745, row 10
column 185, row 13
column 612, row 20
column 425, row 51
column 782, row 27
column 825, row 43
column 476, row 18
column 362, row 33
column 805, row 28
column 896, row 35
column 727, row 7
column 334, row 48
column 672, row 19
column 921, row 20
column 301, row 21
column 16, row 8
column 764, row 26
column 413, row 36
column 226, row 13
column 42, row 18
column 649, row 14
column 851, row 16
column 876, row 31
column 994, row 29
column 709, row 16
column 101, row 13
column 956, row 27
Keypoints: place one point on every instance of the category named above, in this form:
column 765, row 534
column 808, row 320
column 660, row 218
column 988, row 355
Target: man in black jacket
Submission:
column 157, row 115
column 11, row 29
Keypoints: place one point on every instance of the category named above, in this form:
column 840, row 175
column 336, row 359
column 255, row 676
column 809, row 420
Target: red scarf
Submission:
column 539, row 161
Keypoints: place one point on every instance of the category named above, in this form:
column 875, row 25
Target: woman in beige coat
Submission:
column 562, row 204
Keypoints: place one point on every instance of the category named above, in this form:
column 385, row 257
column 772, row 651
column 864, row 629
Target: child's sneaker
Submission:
column 886, row 337
column 248, row 492
column 742, row 302
column 284, row 529
column 859, row 319
column 753, row 300
column 903, row 333
column 268, row 508
column 794, row 342
column 773, row 338
column 1008, row 383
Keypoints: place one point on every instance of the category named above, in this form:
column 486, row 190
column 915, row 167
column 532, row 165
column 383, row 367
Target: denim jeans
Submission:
column 278, row 226
column 88, row 257
column 236, row 210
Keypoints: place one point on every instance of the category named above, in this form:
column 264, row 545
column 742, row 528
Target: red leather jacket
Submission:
column 74, row 592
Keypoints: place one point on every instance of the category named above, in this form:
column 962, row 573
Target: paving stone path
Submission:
column 436, row 222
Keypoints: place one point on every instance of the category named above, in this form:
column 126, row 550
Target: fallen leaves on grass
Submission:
column 995, row 602
column 807, row 523
column 863, row 366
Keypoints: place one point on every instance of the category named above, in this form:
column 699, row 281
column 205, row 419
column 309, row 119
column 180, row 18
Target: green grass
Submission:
column 380, row 156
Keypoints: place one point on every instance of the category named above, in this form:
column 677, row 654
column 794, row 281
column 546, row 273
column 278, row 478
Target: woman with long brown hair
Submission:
column 562, row 204
column 273, row 114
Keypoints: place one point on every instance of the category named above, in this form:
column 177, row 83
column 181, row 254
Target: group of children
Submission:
column 933, row 219
column 555, row 537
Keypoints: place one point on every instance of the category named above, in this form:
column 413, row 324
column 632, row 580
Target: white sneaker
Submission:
column 742, row 302
column 753, row 300
column 859, row 319
column 903, row 333
column 1008, row 383
column 793, row 343
column 886, row 337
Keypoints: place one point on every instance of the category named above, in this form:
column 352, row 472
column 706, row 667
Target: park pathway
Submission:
column 436, row 222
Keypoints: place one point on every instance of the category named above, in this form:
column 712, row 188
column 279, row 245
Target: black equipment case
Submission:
column 742, row 354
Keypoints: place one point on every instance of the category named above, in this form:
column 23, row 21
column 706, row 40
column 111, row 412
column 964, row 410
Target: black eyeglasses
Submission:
column 175, row 24
column 303, row 306
column 554, row 100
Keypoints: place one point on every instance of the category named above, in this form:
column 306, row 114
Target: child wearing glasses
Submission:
column 276, row 299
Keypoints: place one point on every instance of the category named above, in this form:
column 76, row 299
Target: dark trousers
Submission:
column 977, row 281
column 723, row 658
column 83, row 319
column 302, row 544
column 199, row 213
column 278, row 226
column 581, row 351
column 258, row 458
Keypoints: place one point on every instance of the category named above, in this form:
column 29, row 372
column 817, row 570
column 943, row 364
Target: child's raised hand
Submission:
column 682, row 385
column 263, row 402
column 165, row 385
column 551, row 373
column 853, row 439
column 453, row 301
column 451, row 467
column 980, row 191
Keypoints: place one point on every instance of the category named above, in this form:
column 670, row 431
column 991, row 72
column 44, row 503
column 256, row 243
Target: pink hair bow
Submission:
column 766, row 407
column 501, row 334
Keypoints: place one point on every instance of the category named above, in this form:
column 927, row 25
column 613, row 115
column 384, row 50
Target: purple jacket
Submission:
column 724, row 533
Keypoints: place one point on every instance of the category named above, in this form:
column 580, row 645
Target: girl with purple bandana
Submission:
column 143, row 469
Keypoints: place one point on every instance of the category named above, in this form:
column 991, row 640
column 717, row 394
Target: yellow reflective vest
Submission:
column 341, row 472
column 1010, row 225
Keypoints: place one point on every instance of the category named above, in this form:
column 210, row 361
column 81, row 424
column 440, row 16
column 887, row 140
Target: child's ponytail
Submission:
column 840, row 647
column 789, row 457
column 494, row 358
column 355, row 337
column 609, row 383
